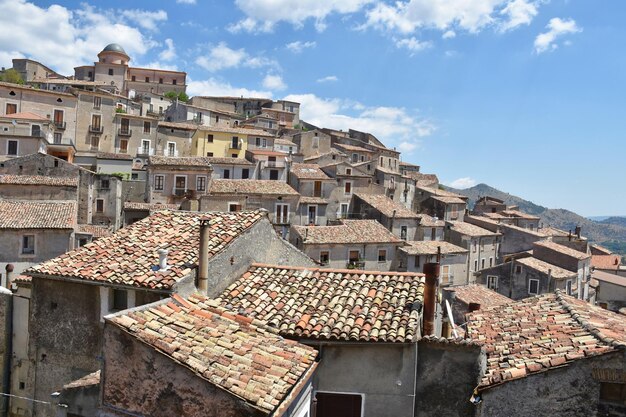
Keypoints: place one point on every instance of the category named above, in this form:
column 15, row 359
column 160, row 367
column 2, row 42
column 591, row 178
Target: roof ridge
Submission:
column 593, row 330
column 337, row 270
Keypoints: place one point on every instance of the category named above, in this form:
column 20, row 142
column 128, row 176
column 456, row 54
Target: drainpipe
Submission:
column 431, row 270
column 203, row 258
column 393, row 217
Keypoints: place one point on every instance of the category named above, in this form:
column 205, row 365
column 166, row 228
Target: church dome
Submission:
column 114, row 47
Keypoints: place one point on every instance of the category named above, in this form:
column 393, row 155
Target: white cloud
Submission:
column 221, row 57
column 448, row 34
column 328, row 79
column 6, row 58
column 274, row 82
column 215, row 87
column 144, row 18
column 446, row 15
column 169, row 52
column 462, row 183
column 393, row 125
column 557, row 27
column 186, row 1
column 62, row 38
column 413, row 44
column 262, row 15
column 298, row 46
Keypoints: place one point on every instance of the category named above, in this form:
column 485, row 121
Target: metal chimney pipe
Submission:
column 163, row 259
column 431, row 270
column 203, row 257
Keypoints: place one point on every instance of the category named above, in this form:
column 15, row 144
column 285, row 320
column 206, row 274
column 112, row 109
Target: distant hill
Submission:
column 610, row 232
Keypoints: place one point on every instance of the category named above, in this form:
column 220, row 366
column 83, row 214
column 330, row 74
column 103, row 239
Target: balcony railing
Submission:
column 233, row 146
column 95, row 129
column 355, row 265
column 153, row 113
column 60, row 125
column 274, row 164
column 145, row 151
column 179, row 192
column 125, row 132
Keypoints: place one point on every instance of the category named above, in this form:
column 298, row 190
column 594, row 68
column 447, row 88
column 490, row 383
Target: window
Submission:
column 28, row 245
column 354, row 256
column 417, row 261
column 445, row 274
column 312, row 210
column 482, row 263
column 146, row 127
column 403, row 232
column 174, row 81
column 381, row 161
column 568, row 286
column 158, row 182
column 226, row 174
column 282, row 213
column 317, row 189
column 96, row 120
column 344, row 210
column 12, row 147
column 147, row 79
column 200, row 183
column 99, row 205
column 145, row 146
column 104, row 184
column 82, row 242
column 209, row 154
column 344, row 405
column 133, row 78
column 347, row 188
column 433, row 233
column 274, row 174
column 95, row 142
column 180, row 185
column 209, row 138
column 245, row 173
column 125, row 127
column 474, row 246
column 110, row 71
column 348, row 171
column 355, row 157
column 362, row 158
column 492, row 282
column 97, row 102
column 518, row 269
column 265, row 142
column 90, row 74
column 171, row 149
column 123, row 145
column 160, row 80
column 234, row 155
column 533, row 286
column 382, row 255
column 120, row 300
column 234, row 207
column 475, row 264
column 11, row 108
column 257, row 142
column 324, row 257
column 613, row 392
column 490, row 261
column 58, row 137
column 234, row 142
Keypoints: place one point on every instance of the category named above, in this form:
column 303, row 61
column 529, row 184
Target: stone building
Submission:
column 315, row 188
column 610, row 290
column 357, row 244
column 400, row 221
column 483, row 245
column 139, row 264
column 464, row 299
column 232, row 168
column 174, row 179
column 137, row 135
column 270, row 165
column 442, row 204
column 569, row 259
column 429, row 228
column 349, row 179
column 488, row 204
column 326, row 309
column 453, row 260
column 229, row 142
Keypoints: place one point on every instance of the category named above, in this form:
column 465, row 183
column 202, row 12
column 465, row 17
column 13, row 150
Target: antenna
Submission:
column 451, row 319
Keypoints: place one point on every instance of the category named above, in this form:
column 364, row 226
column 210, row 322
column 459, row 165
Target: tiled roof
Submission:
column 353, row 148
column 441, row 193
column 179, row 125
column 267, row 153
column 387, row 206
column 39, row 180
column 423, row 180
column 332, row 151
column 519, row 214
column 110, row 155
column 608, row 277
column 430, row 221
column 94, row 230
column 328, row 304
column 479, row 294
column 430, row 247
column 546, row 268
column 471, row 230
column 26, row 116
column 598, row 250
column 221, row 186
column 86, row 381
column 539, row 333
column 189, row 161
column 28, row 214
column 349, row 232
column 552, row 231
column 562, row 249
column 130, row 255
column 448, row 200
column 313, row 200
column 606, row 261
column 235, row 353
column 236, row 130
column 308, row 172
column 228, row 161
column 131, row 205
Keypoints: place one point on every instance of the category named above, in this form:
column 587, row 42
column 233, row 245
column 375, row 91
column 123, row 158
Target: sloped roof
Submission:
column 228, row 161
column 308, row 172
column 479, row 294
column 26, row 116
column 238, row 354
column 129, row 256
column 30, row 214
column 471, row 229
column 606, row 261
column 94, row 230
column 546, row 268
column 329, row 304
column 189, row 161
column 540, row 333
column 431, row 247
column 387, row 206
column 270, row 187
column 39, row 180
column 132, row 205
column 349, row 232
column 572, row 253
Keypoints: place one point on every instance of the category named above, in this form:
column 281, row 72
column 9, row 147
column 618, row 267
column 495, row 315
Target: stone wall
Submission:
column 6, row 310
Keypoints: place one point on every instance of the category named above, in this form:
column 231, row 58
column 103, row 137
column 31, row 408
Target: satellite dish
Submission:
column 451, row 319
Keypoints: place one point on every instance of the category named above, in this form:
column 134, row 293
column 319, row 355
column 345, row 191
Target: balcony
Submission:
column 59, row 125
column 145, row 151
column 95, row 129
column 233, row 146
column 273, row 164
column 179, row 192
column 360, row 264
column 125, row 132
column 152, row 113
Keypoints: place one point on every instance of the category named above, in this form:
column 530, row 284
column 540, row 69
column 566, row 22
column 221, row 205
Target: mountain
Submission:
column 610, row 232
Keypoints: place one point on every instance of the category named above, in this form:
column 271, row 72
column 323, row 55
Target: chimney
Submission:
column 163, row 259
column 431, row 270
column 473, row 307
column 569, row 236
column 577, row 230
column 9, row 270
column 203, row 257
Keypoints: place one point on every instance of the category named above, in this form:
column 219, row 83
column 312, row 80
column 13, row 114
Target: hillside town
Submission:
column 166, row 255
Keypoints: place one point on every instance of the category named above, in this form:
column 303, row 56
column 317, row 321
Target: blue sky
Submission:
column 524, row 95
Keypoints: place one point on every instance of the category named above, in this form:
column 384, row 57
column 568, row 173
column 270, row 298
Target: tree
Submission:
column 173, row 95
column 11, row 76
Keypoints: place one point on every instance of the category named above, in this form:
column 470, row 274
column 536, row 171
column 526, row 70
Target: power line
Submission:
column 32, row 400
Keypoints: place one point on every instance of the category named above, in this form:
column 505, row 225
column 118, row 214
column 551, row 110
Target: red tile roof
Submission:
column 469, row 229
column 94, row 230
column 187, row 161
column 430, row 221
column 240, row 355
column 479, row 294
column 431, row 247
column 111, row 155
column 606, row 261
column 26, row 116
column 540, row 333
column 313, row 200
column 327, row 304
column 28, row 214
column 131, row 205
column 228, row 161
column 353, row 148
column 572, row 253
column 39, row 180
column 350, row 231
column 387, row 206
column 546, row 268
column 269, row 187
column 308, row 172
column 608, row 277
column 129, row 256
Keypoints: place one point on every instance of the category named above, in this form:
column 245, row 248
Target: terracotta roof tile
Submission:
column 88, row 380
column 228, row 350
column 189, row 161
column 608, row 277
column 350, row 231
column 111, row 155
column 308, row 172
column 470, row 229
column 129, row 256
column 39, row 180
column 94, row 230
column 327, row 304
column 29, row 214
column 606, row 261
column 26, row 116
column 131, row 205
column 430, row 221
column 430, row 247
column 353, row 148
column 228, row 161
column 474, row 293
column 539, row 333
column 439, row 192
column 562, row 249
column 387, row 206
column 519, row 214
column 313, row 200
column 221, row 186
column 546, row 268
column 552, row 231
